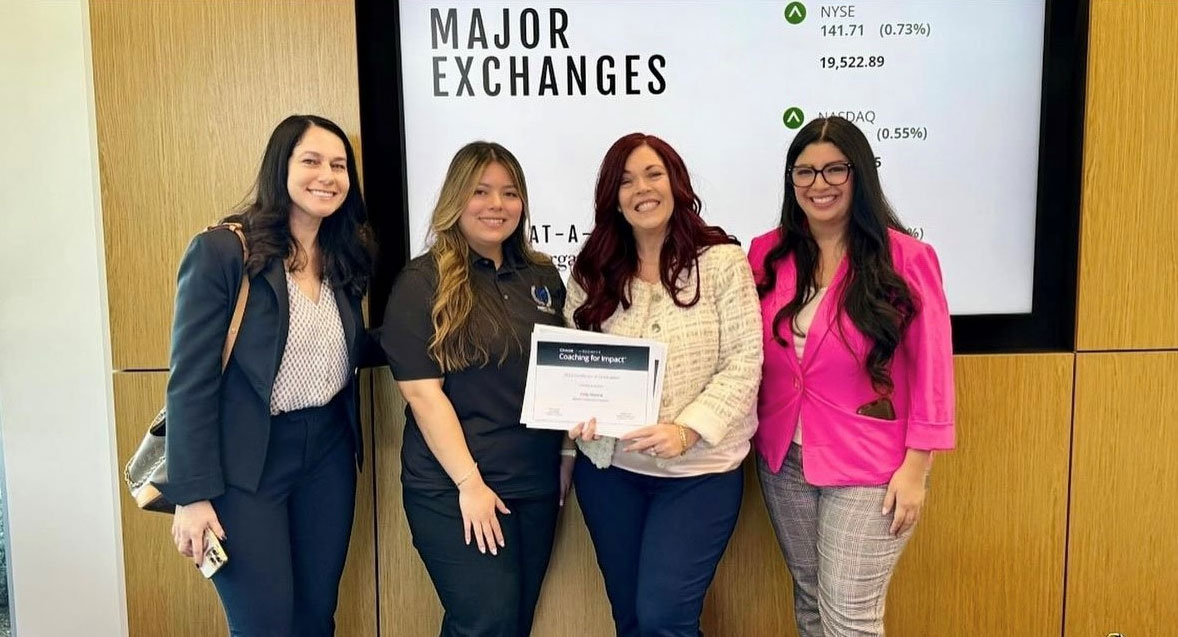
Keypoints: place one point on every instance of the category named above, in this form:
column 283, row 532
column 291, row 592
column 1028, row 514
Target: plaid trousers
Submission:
column 838, row 549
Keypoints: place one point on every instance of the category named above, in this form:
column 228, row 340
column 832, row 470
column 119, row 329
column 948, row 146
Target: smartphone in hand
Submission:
column 215, row 556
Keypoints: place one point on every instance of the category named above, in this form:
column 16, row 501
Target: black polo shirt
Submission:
column 516, row 462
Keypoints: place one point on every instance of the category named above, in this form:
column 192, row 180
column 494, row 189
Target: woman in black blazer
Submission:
column 265, row 455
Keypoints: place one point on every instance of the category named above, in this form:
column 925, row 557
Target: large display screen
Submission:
column 950, row 95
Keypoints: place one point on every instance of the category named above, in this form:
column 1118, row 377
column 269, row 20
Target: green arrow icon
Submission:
column 795, row 12
column 793, row 117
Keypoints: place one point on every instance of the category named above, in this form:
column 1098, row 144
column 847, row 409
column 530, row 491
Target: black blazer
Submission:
column 218, row 425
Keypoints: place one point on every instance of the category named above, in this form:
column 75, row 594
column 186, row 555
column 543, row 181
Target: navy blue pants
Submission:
column 484, row 595
column 287, row 543
column 658, row 542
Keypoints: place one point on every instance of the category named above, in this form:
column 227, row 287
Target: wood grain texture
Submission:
column 988, row 556
column 409, row 606
column 186, row 96
column 573, row 600
column 165, row 594
column 1128, row 254
column 752, row 593
column 1123, row 551
column 356, row 614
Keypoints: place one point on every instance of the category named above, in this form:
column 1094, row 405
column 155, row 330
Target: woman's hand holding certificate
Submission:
column 664, row 440
column 574, row 376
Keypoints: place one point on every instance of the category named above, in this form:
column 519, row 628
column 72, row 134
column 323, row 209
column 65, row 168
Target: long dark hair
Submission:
column 609, row 258
column 875, row 298
column 344, row 237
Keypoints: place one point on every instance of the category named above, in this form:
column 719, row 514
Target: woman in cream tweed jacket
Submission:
column 661, row 502
column 711, row 376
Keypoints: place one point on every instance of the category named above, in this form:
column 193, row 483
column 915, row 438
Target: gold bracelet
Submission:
column 466, row 476
column 683, row 438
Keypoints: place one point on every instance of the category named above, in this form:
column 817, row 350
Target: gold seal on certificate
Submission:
column 575, row 375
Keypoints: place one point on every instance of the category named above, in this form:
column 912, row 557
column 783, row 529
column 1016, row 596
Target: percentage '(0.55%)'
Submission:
column 841, row 62
column 918, row 133
column 905, row 29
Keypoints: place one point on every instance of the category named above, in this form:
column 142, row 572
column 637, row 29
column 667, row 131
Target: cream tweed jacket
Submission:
column 713, row 356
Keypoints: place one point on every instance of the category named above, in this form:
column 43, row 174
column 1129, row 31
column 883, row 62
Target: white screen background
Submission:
column 971, row 81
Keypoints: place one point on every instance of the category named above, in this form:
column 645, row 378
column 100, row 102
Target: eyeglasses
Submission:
column 835, row 174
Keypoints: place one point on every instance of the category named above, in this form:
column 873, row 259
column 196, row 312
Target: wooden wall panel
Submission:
column 1128, row 253
column 356, row 614
column 165, row 594
column 573, row 600
column 988, row 557
column 1123, row 550
column 408, row 605
column 186, row 96
column 752, row 593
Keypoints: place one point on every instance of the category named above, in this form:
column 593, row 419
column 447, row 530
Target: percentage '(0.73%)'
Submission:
column 905, row 29
column 919, row 133
column 851, row 62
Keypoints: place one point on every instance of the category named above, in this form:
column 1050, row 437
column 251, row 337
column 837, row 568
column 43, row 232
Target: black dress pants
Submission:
column 287, row 543
column 484, row 595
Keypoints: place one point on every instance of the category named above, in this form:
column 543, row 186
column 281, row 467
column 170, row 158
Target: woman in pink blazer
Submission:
column 857, row 388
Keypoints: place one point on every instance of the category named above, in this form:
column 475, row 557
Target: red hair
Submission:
column 609, row 258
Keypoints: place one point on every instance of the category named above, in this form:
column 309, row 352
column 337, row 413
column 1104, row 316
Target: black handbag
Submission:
column 148, row 466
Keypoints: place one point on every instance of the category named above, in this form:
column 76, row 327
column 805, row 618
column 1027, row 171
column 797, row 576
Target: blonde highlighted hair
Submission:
column 458, row 342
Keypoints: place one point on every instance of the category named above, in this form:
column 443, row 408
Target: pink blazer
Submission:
column 841, row 447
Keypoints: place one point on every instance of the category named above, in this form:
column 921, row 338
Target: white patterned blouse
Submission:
column 314, row 365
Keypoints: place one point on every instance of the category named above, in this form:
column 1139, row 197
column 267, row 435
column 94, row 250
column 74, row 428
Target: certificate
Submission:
column 574, row 376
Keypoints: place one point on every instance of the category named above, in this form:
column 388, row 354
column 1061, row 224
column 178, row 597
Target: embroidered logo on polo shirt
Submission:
column 542, row 298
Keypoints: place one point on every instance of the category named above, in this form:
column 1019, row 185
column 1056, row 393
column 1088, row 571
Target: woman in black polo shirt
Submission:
column 457, row 331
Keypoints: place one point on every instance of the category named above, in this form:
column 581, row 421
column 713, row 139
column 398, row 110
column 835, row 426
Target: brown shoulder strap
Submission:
column 242, row 293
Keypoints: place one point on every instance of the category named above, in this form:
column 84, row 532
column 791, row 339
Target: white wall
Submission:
column 56, row 404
